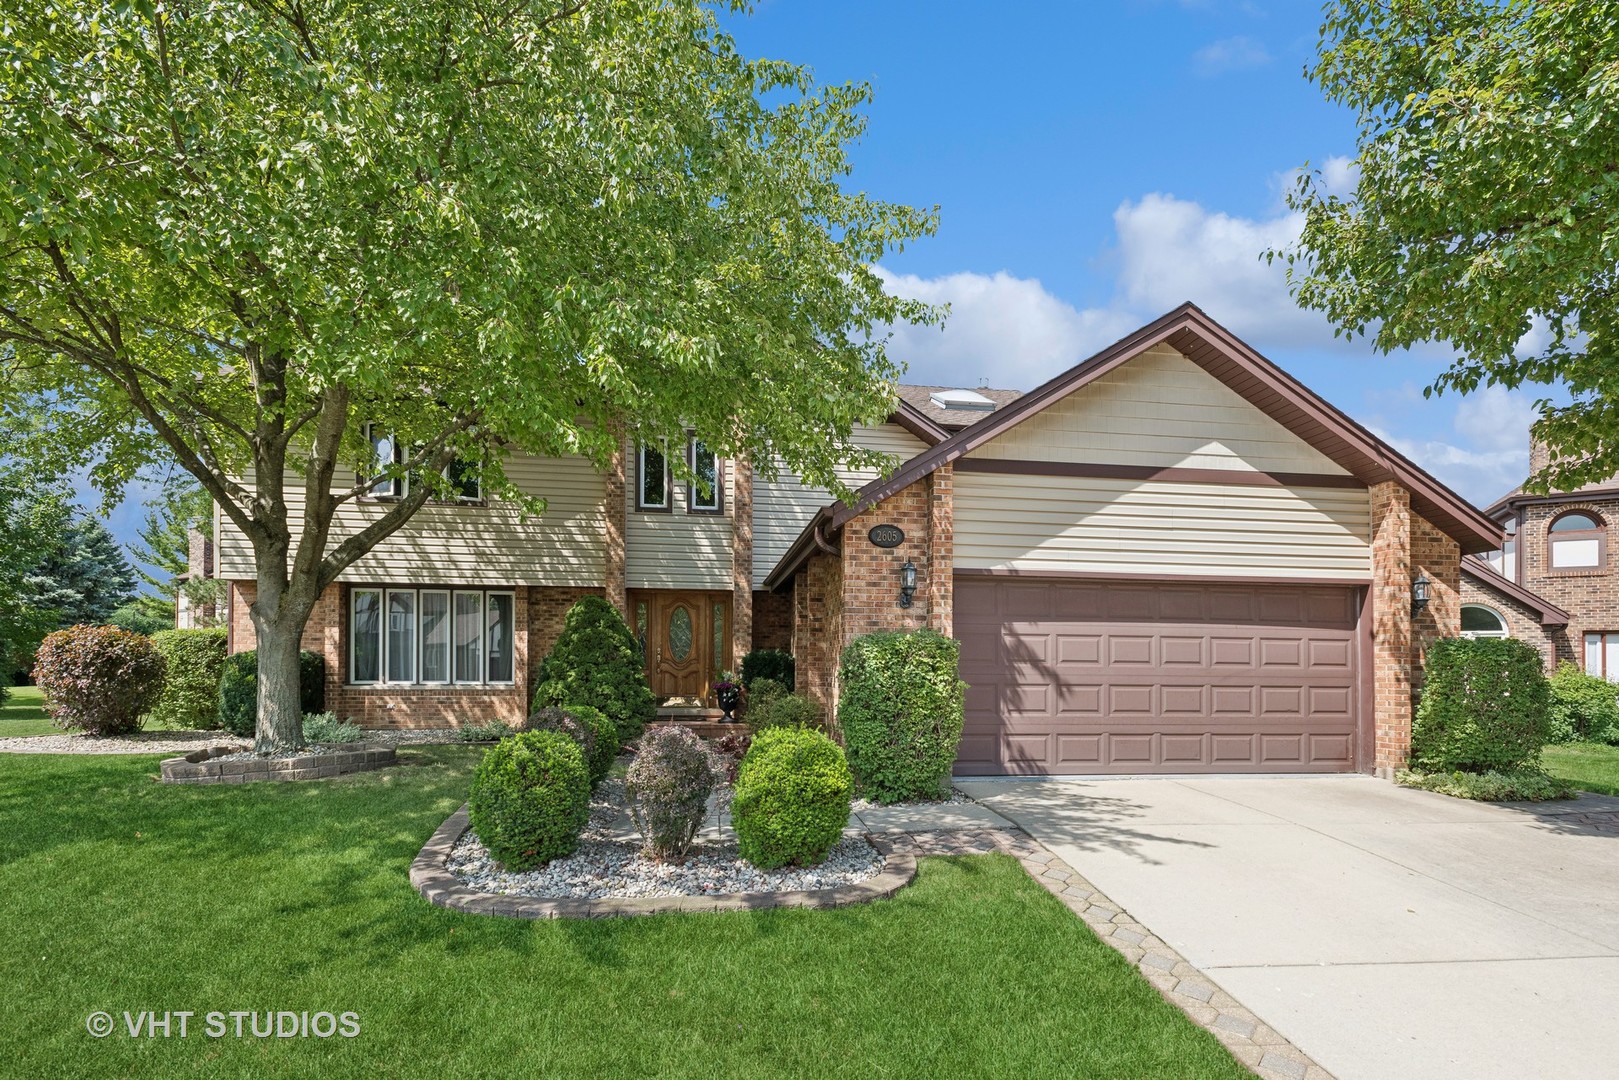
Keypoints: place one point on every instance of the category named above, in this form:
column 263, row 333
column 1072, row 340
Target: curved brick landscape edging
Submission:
column 429, row 877
column 199, row 767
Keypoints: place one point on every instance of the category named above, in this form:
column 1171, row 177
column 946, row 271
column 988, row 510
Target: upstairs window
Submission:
column 466, row 482
column 653, row 486
column 385, row 452
column 1576, row 541
column 706, row 495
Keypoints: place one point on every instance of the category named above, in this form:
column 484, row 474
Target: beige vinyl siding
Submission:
column 674, row 549
column 1046, row 523
column 782, row 507
column 1159, row 409
column 474, row 545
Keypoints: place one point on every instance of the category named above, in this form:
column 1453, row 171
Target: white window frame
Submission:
column 668, row 503
column 1596, row 536
column 456, row 496
column 394, row 488
column 1606, row 643
column 382, row 669
column 415, row 637
column 1504, row 632
column 449, row 638
column 384, row 595
column 694, row 503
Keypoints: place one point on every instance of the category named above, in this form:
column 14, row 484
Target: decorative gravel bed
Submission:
column 141, row 742
column 955, row 797
column 608, row 865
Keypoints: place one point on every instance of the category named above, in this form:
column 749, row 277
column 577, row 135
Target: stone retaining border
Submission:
column 198, row 767
column 430, row 878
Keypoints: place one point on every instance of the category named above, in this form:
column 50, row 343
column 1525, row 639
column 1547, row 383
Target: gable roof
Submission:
column 1519, row 497
column 1190, row 331
column 1488, row 577
column 921, row 398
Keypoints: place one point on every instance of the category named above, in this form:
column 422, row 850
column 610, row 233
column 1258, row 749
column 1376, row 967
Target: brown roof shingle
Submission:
column 921, row 398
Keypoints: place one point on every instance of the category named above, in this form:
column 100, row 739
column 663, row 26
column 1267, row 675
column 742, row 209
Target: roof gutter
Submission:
column 810, row 541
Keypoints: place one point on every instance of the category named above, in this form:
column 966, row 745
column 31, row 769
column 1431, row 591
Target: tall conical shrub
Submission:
column 597, row 662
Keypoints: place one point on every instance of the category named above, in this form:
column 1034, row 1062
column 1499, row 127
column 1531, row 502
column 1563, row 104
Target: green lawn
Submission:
column 1592, row 766
column 24, row 714
column 122, row 894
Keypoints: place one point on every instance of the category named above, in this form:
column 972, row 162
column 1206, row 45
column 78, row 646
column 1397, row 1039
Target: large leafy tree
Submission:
column 33, row 517
column 239, row 231
column 1488, row 197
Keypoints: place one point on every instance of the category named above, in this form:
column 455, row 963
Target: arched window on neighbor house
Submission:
column 1576, row 541
column 1479, row 621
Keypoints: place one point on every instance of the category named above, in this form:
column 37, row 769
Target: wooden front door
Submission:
column 686, row 636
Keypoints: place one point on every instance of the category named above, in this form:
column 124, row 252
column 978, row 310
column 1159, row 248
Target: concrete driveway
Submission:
column 1386, row 932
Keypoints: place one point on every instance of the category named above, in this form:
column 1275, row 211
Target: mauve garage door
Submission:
column 1071, row 676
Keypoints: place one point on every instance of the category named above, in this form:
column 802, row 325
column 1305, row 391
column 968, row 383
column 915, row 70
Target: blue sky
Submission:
column 1097, row 164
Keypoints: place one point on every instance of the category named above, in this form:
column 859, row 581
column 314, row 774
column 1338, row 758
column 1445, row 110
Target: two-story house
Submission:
column 1172, row 557
column 1552, row 581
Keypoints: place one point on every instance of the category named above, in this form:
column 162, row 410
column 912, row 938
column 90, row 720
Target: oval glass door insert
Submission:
column 680, row 634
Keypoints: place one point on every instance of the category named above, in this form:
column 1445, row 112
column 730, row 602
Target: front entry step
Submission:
column 704, row 723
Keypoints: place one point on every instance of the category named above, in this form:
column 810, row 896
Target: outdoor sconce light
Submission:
column 907, row 583
column 1419, row 595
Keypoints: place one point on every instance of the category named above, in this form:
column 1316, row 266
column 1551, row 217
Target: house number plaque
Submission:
column 886, row 536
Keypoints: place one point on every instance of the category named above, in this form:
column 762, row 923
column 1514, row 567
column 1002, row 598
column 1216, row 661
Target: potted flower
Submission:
column 728, row 695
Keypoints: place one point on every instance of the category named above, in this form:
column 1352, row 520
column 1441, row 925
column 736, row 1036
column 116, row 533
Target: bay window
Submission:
column 417, row 637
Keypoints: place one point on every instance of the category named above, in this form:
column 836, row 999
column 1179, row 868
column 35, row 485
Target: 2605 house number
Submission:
column 886, row 536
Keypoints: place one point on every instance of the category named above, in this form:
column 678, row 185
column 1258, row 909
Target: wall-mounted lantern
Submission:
column 1419, row 594
column 907, row 583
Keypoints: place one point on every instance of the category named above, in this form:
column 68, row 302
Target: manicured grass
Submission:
column 1591, row 766
column 122, row 894
column 24, row 714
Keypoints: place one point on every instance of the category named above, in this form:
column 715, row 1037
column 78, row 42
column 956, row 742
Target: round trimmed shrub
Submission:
column 901, row 712
column 770, row 664
column 1486, row 706
column 98, row 679
column 762, row 691
column 597, row 662
column 785, row 710
column 792, row 799
column 190, row 697
column 1583, row 706
column 239, row 689
column 530, row 799
column 667, row 787
column 590, row 728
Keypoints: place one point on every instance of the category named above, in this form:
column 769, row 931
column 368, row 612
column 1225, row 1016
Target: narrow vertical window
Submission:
column 640, row 627
column 653, row 488
column 401, row 643
column 384, row 453
column 365, row 635
column 435, row 636
column 498, row 637
column 705, row 494
column 722, row 659
column 469, row 637
column 466, row 483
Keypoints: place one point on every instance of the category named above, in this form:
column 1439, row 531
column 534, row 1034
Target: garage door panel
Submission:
column 1093, row 676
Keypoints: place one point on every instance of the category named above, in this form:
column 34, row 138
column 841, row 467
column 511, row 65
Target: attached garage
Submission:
column 1097, row 676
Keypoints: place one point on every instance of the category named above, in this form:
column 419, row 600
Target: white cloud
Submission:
column 1007, row 330
column 1479, row 475
column 1497, row 418
column 1340, row 175
column 1229, row 54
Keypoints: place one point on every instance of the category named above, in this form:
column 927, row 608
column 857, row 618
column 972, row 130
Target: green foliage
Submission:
column 792, row 801
column 784, row 710
column 1584, row 708
column 596, row 735
column 530, row 799
column 239, row 690
column 289, row 213
column 1485, row 707
column 597, row 662
column 327, row 729
column 194, row 660
column 143, row 615
column 901, row 713
column 1486, row 138
column 770, row 664
column 98, row 679
column 1522, row 784
column 763, row 690
column 667, row 787
column 492, row 731
column 165, row 535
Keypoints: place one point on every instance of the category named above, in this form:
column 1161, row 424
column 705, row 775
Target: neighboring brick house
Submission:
column 1171, row 558
column 1552, row 582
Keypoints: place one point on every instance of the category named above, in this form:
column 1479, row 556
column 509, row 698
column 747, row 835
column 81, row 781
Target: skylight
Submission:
column 962, row 399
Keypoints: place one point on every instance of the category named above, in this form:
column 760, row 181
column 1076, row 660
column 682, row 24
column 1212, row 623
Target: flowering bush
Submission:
column 99, row 679
column 667, row 788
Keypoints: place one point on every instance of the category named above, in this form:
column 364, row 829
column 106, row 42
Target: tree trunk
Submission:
column 281, row 718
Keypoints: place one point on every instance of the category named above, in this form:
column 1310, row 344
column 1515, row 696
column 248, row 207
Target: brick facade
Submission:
column 1392, row 669
column 1591, row 597
column 1554, row 643
column 818, row 627
column 772, row 620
